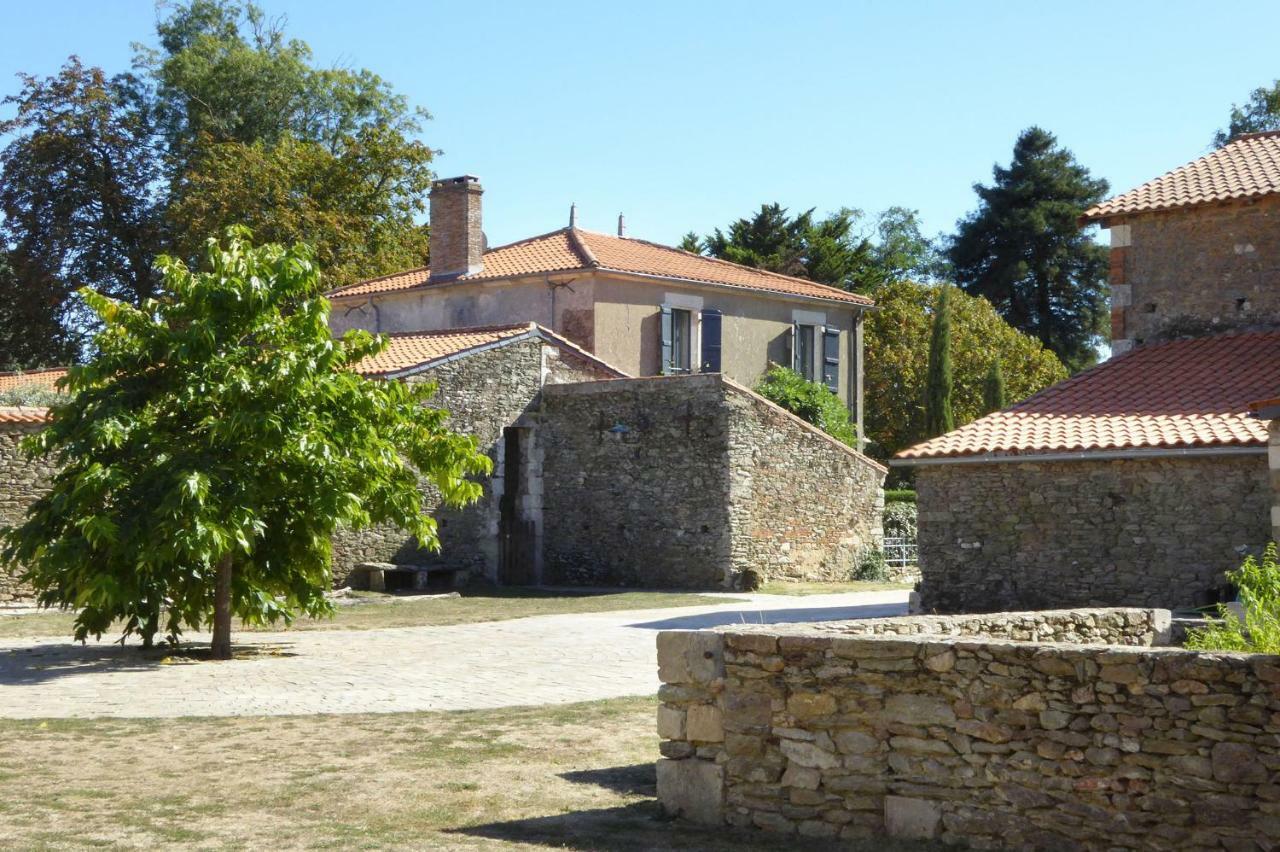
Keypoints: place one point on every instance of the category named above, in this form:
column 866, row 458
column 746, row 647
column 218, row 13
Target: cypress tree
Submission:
column 993, row 389
column 938, row 418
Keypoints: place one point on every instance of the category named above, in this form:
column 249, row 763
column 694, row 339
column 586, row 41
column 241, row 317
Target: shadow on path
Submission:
column 698, row 621
column 36, row 664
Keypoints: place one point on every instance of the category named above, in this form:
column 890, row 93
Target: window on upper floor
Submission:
column 677, row 340
column 802, row 350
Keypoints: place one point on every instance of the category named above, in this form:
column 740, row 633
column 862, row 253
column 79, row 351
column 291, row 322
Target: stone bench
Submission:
column 391, row 577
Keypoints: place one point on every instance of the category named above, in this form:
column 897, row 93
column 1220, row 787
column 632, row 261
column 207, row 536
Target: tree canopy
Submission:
column 897, row 359
column 224, row 121
column 1261, row 112
column 1024, row 251
column 841, row 249
column 213, row 443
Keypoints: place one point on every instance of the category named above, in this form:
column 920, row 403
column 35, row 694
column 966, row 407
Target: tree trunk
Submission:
column 221, row 645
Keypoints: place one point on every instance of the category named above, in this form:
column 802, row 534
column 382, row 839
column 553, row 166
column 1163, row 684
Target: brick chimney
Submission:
column 457, row 243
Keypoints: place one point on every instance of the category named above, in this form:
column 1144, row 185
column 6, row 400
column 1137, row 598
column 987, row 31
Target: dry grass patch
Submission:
column 475, row 605
column 575, row 776
column 780, row 588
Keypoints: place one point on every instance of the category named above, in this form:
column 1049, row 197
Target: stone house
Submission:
column 681, row 481
column 646, row 308
column 1141, row 481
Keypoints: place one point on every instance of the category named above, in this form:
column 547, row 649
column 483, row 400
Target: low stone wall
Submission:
column 970, row 739
column 1029, row 535
column 22, row 482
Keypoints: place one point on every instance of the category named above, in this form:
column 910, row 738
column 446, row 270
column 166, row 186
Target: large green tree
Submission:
column 1261, row 112
column 214, row 441
column 1024, row 251
column 897, row 359
column 224, row 121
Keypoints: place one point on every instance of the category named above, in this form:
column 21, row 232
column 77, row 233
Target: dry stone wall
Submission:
column 691, row 481
column 984, row 741
column 1025, row 535
column 22, row 481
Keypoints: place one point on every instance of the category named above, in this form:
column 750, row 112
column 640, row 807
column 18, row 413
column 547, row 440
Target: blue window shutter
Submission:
column 711, row 328
column 665, row 354
column 831, row 359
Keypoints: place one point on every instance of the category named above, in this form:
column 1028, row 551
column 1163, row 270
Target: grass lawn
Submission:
column 777, row 588
column 476, row 604
column 575, row 776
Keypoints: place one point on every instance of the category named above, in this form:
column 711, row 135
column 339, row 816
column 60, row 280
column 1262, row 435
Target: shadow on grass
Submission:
column 640, row 779
column 36, row 664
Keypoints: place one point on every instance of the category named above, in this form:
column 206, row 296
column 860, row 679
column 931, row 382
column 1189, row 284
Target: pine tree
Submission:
column 993, row 395
column 938, row 417
column 1023, row 250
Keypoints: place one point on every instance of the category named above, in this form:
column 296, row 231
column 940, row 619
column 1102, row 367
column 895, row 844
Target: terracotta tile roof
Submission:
column 1248, row 167
column 1182, row 394
column 29, row 378
column 23, row 414
column 412, row 349
column 568, row 249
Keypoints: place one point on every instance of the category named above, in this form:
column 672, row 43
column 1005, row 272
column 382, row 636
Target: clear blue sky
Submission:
column 687, row 115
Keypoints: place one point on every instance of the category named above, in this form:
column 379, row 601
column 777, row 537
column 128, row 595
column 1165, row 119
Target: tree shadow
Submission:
column 721, row 618
column 35, row 664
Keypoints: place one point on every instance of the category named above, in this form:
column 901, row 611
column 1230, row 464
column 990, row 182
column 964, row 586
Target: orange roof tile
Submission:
column 573, row 248
column 1247, row 167
column 411, row 349
column 23, row 414
column 32, row 378
column 1182, row 394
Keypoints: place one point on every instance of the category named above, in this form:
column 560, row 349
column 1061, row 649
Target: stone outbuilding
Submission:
column 600, row 479
column 1136, row 483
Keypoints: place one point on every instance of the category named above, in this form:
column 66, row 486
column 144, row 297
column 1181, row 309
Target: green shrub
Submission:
column 1259, row 632
column 900, row 520
column 810, row 401
column 872, row 565
column 899, row 495
column 31, row 395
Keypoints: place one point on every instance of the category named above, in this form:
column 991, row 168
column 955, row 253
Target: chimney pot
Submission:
column 457, row 239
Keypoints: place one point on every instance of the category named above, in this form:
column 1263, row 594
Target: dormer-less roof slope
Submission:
column 46, row 379
column 409, row 352
column 572, row 249
column 1184, row 394
column 1247, row 167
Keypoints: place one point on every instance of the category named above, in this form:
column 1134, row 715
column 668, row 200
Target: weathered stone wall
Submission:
column 1151, row 532
column 804, row 506
column 1196, row 271
column 1273, row 462
column 636, row 483
column 689, row 481
column 22, row 481
column 989, row 742
column 484, row 392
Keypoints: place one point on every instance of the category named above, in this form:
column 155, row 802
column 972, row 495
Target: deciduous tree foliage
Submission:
column 1024, row 251
column 225, row 122
column 897, row 356
column 938, row 418
column 214, row 442
column 1261, row 112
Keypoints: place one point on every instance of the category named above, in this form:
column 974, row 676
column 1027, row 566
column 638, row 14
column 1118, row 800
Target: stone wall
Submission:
column 689, row 481
column 1152, row 532
column 1196, row 271
column 22, row 481
column 990, row 742
column 484, row 392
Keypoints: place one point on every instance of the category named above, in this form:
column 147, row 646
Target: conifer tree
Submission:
column 993, row 394
column 938, row 417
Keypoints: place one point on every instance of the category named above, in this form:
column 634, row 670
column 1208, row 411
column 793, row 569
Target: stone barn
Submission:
column 1141, row 481
column 681, row 481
